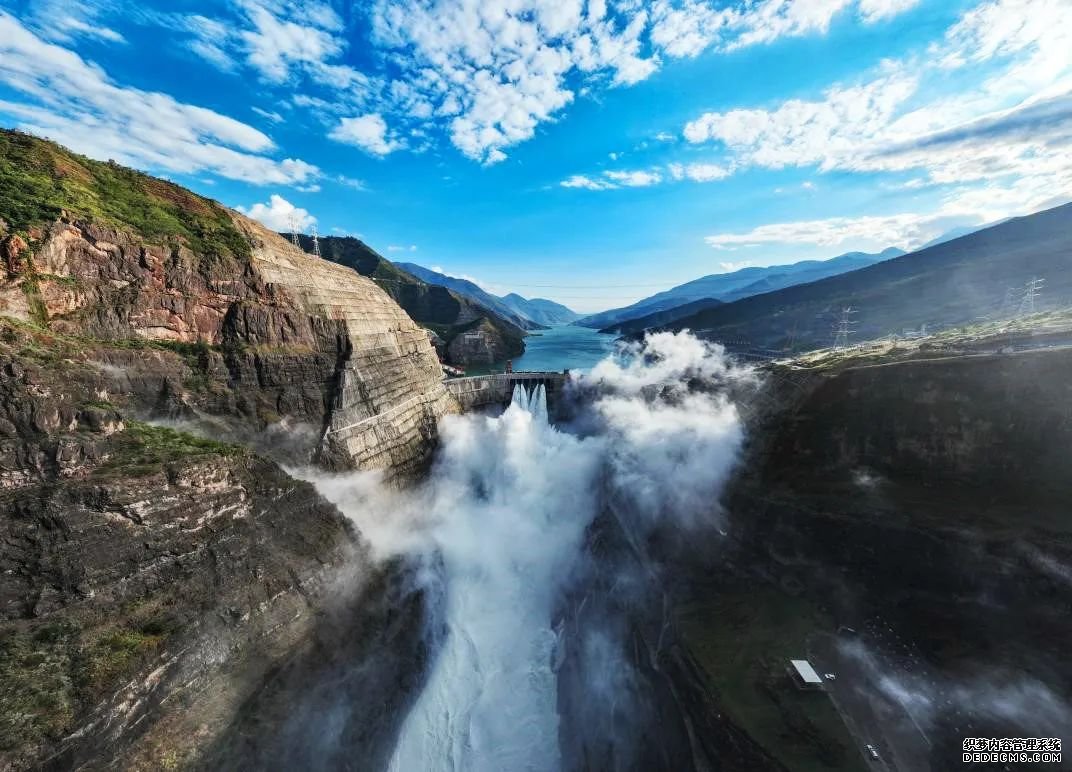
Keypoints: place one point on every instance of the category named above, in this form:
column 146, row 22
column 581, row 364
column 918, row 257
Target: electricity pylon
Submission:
column 844, row 328
column 1031, row 292
column 294, row 231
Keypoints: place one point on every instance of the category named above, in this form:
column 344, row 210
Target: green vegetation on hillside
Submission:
column 39, row 180
column 142, row 448
column 49, row 673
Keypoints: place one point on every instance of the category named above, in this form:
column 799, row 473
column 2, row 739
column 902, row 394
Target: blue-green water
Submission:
column 566, row 347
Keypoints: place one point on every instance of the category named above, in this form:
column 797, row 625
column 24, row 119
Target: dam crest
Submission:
column 480, row 391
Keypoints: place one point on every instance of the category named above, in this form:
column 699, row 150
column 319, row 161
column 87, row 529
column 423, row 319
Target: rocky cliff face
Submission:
column 152, row 581
column 280, row 336
column 927, row 498
column 138, row 563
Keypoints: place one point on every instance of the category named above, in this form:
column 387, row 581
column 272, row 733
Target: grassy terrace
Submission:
column 744, row 636
column 39, row 180
column 143, row 448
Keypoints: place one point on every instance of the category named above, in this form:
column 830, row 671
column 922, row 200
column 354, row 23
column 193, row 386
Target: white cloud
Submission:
column 280, row 215
column 800, row 132
column 398, row 248
column 350, row 182
column 1011, row 137
column 368, row 132
column 75, row 103
column 877, row 10
column 906, row 230
column 271, row 115
column 698, row 172
column 280, row 41
column 635, row 179
column 640, row 178
column 587, row 183
column 63, row 21
column 488, row 74
column 496, row 70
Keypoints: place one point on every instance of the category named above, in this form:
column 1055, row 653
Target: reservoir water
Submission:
column 566, row 347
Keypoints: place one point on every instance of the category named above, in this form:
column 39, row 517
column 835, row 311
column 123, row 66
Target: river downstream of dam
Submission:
column 499, row 531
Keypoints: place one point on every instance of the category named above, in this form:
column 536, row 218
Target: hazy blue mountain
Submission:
column 540, row 310
column 738, row 284
column 947, row 285
column 533, row 314
column 662, row 318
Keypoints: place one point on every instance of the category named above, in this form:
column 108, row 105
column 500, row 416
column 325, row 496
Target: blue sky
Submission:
column 590, row 151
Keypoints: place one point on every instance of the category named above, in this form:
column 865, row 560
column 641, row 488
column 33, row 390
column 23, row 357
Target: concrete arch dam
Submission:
column 479, row 391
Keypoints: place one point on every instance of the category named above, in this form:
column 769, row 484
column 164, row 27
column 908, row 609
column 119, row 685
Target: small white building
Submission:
column 804, row 674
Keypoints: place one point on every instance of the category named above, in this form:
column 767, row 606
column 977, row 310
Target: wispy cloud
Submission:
column 642, row 178
column 907, row 230
column 76, row 103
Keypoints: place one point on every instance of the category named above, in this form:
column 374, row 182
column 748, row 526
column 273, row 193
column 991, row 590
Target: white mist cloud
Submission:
column 1013, row 697
column 499, row 527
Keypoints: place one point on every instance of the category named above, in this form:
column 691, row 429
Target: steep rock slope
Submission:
column 138, row 563
column 124, row 260
column 153, row 582
column 445, row 312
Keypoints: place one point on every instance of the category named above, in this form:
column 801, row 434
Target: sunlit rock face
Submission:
column 286, row 336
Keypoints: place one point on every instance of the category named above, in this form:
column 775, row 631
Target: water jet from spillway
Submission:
column 498, row 531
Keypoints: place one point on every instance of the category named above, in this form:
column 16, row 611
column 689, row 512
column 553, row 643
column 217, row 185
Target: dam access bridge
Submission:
column 478, row 391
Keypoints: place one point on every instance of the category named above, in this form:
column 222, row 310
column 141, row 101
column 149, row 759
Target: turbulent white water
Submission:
column 508, row 521
column 500, row 524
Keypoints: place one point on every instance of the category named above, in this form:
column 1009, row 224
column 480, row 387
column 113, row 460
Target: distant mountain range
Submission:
column 440, row 309
column 727, row 287
column 540, row 310
column 952, row 283
column 528, row 314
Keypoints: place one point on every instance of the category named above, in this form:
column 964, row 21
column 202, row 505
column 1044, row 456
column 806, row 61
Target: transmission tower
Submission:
column 1031, row 292
column 294, row 231
column 844, row 328
column 316, row 242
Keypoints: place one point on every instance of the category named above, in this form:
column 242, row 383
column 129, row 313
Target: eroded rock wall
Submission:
column 389, row 390
column 286, row 336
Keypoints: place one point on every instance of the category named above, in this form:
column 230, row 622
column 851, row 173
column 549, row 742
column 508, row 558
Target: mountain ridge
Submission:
column 444, row 311
column 534, row 313
column 949, row 284
column 727, row 287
